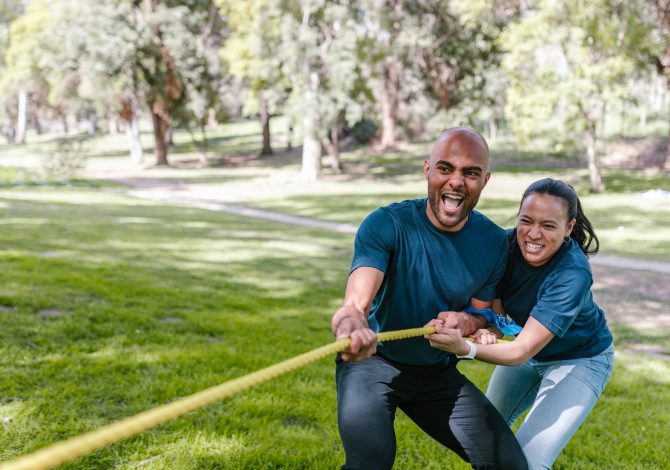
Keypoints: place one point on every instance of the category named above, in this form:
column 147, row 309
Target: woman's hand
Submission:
column 447, row 339
column 484, row 336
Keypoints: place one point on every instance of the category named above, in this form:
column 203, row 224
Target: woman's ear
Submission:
column 571, row 225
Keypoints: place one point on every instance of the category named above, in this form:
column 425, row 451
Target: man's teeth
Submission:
column 534, row 246
column 456, row 197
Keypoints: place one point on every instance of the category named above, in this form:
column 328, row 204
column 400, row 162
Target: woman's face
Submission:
column 542, row 226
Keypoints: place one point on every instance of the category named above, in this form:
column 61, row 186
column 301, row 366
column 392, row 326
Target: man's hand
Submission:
column 463, row 321
column 484, row 336
column 363, row 339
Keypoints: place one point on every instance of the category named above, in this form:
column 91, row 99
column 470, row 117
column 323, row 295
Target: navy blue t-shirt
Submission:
column 558, row 295
column 426, row 271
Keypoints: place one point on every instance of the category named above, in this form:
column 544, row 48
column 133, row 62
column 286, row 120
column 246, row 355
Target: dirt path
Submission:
column 634, row 293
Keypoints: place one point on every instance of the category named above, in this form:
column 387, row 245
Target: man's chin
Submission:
column 451, row 222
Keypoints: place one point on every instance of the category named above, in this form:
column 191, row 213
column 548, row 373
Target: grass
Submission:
column 111, row 305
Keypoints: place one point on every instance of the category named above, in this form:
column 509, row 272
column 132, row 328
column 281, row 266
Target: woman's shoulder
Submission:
column 571, row 268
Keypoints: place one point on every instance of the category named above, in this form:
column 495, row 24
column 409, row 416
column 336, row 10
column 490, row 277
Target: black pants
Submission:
column 439, row 399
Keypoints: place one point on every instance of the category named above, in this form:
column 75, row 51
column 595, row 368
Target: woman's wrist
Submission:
column 469, row 351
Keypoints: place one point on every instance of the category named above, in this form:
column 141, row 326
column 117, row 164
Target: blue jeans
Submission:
column 438, row 398
column 560, row 394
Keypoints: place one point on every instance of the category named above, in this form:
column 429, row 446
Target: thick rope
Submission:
column 87, row 443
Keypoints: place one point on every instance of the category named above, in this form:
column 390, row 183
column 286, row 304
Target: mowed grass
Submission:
column 111, row 306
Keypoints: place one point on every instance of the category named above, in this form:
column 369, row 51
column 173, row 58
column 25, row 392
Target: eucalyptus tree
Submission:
column 320, row 53
column 565, row 59
column 251, row 54
column 22, row 75
column 9, row 11
column 657, row 15
column 442, row 50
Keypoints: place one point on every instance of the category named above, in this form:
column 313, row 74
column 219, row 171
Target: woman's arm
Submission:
column 527, row 344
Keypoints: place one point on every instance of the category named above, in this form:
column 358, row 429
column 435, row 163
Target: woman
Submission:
column 564, row 354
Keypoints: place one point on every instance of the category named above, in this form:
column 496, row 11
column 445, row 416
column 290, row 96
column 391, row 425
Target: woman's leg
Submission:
column 567, row 394
column 513, row 389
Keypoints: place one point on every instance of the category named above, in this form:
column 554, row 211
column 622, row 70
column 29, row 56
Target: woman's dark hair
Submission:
column 582, row 232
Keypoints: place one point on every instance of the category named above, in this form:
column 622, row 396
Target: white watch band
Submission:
column 472, row 353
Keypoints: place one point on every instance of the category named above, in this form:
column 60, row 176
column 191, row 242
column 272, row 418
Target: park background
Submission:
column 148, row 147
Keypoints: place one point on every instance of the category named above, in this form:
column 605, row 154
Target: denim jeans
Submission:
column 560, row 394
column 438, row 398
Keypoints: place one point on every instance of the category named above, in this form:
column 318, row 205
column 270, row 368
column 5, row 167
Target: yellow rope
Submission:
column 84, row 444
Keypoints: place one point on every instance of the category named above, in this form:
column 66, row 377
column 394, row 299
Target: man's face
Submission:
column 457, row 171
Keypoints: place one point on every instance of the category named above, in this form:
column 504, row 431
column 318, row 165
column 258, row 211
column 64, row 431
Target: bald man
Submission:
column 414, row 261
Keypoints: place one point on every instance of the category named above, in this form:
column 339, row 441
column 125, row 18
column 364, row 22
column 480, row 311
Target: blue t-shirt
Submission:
column 426, row 271
column 558, row 295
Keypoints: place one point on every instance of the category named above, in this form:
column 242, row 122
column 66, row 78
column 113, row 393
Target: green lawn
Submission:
column 111, row 305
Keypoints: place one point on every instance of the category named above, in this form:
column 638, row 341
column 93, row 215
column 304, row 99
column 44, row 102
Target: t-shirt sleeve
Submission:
column 561, row 298
column 374, row 242
column 489, row 290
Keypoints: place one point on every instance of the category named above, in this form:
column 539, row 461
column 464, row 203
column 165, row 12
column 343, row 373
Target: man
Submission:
column 413, row 260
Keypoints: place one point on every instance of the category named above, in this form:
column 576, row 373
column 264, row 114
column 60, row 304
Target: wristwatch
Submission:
column 471, row 354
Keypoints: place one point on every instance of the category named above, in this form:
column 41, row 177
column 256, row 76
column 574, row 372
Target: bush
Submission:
column 364, row 131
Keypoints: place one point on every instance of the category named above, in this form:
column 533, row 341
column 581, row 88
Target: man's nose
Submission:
column 456, row 180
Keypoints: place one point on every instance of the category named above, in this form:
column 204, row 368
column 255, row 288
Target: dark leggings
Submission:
column 439, row 399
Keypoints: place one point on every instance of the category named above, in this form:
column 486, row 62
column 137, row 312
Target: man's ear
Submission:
column 426, row 168
column 486, row 178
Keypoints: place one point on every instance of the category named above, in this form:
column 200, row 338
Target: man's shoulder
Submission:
column 402, row 210
column 485, row 226
column 403, row 207
column 398, row 214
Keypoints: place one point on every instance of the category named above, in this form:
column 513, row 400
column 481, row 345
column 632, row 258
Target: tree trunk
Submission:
column 63, row 121
column 130, row 116
column 389, row 98
column 332, row 145
column 112, row 123
column 21, row 117
column 264, row 116
column 35, row 117
column 493, row 130
column 289, row 138
column 666, row 163
column 311, row 147
column 204, row 162
column 161, row 130
column 595, row 178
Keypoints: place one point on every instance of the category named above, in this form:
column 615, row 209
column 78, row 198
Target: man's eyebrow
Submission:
column 467, row 168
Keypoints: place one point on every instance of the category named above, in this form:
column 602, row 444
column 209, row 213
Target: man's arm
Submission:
column 351, row 319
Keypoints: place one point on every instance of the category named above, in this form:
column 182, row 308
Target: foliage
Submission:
column 564, row 61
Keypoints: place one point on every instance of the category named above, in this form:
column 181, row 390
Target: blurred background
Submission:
column 576, row 79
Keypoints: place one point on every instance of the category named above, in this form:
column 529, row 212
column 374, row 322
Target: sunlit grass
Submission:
column 147, row 312
column 111, row 305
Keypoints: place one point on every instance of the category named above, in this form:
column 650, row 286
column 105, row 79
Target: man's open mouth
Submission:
column 451, row 202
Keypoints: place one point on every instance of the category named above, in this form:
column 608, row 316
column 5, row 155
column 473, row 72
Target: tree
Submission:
column 9, row 11
column 320, row 53
column 250, row 52
column 565, row 60
column 657, row 13
column 23, row 77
